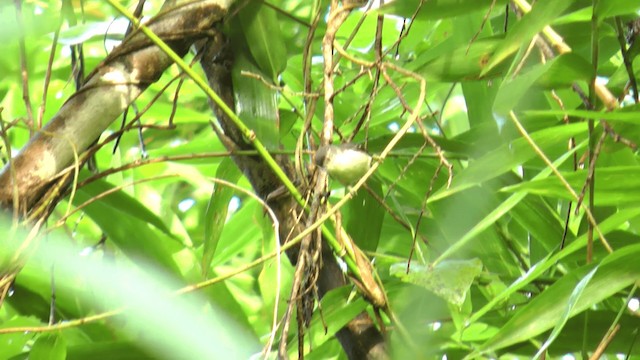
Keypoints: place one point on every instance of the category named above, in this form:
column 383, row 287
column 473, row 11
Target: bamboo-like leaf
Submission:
column 566, row 314
column 560, row 71
column 543, row 265
column 217, row 209
column 452, row 62
column 619, row 185
column 542, row 14
column 450, row 279
column 366, row 234
column 438, row 9
column 616, row 272
column 609, row 8
column 262, row 31
column 119, row 200
column 627, row 114
column 49, row 347
column 500, row 210
column 507, row 157
column 256, row 103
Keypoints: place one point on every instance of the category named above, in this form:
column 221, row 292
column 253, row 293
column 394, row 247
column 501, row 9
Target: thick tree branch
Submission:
column 108, row 91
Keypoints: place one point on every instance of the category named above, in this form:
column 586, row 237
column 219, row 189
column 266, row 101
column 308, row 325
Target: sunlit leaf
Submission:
column 507, row 157
column 118, row 199
column 49, row 346
column 616, row 272
column 217, row 210
column 366, row 234
column 438, row 9
column 450, row 279
column 262, row 32
column 541, row 15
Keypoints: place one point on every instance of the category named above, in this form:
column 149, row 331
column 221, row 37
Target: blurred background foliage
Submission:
column 488, row 277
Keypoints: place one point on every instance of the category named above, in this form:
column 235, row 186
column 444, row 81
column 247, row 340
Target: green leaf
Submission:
column 132, row 234
column 449, row 279
column 366, row 234
column 609, row 8
column 217, row 209
column 500, row 210
column 451, row 62
column 438, row 9
column 512, row 91
column 573, row 299
column 121, row 350
column 507, row 157
column 563, row 70
column 550, row 260
column 49, row 347
column 237, row 235
column 543, row 223
column 619, row 185
column 627, row 114
column 256, row 103
column 337, row 311
column 117, row 199
column 542, row 14
column 13, row 344
column 616, row 272
column 262, row 32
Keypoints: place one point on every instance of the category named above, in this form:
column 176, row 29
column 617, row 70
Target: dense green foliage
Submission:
column 488, row 275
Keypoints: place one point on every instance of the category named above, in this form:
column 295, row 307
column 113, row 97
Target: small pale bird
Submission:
column 344, row 163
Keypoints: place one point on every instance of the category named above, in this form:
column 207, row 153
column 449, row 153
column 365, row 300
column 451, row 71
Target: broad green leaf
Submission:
column 107, row 350
column 566, row 70
column 449, row 279
column 256, row 102
column 602, row 320
column 49, row 347
column 507, row 157
column 614, row 273
column 366, row 234
column 336, row 313
column 239, row 233
column 216, row 214
column 15, row 343
column 543, row 223
column 582, row 15
column 452, row 62
column 609, row 8
column 545, row 264
column 542, row 14
column 627, row 114
column 500, row 210
column 566, row 314
column 563, row 70
column 479, row 99
column 439, row 9
column 410, row 142
column 618, row 185
column 206, row 142
column 131, row 234
column 261, row 29
column 188, row 322
column 117, row 199
column 512, row 91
